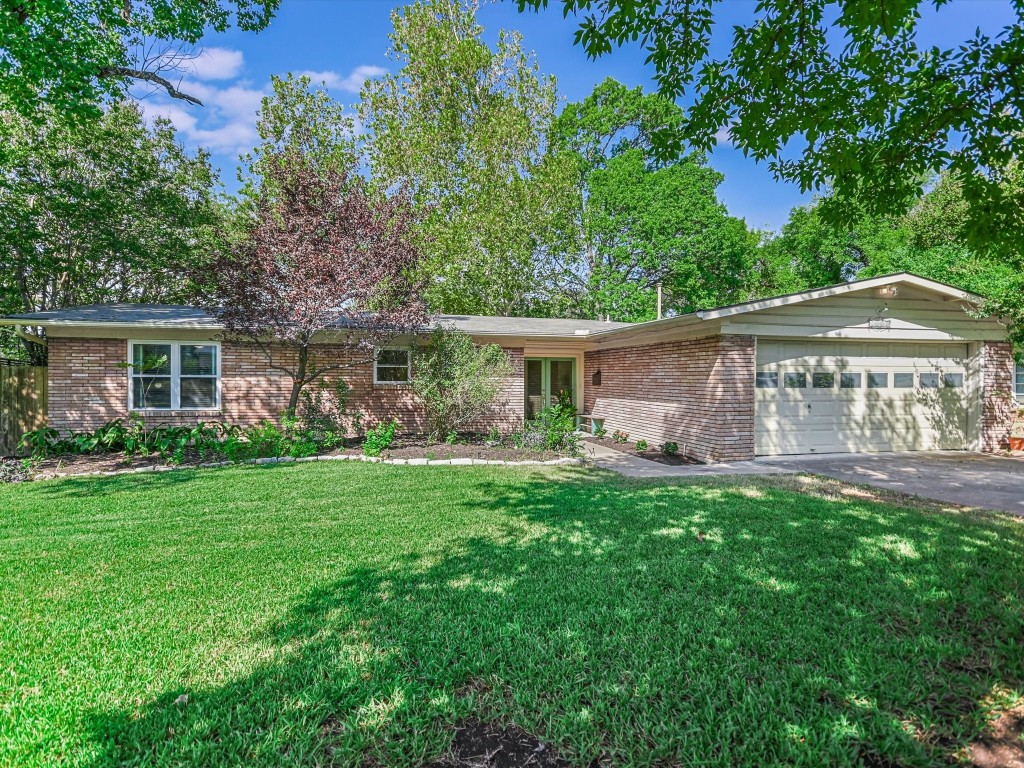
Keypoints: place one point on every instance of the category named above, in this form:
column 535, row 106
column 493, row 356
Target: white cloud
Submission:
column 214, row 64
column 352, row 83
column 724, row 136
column 226, row 123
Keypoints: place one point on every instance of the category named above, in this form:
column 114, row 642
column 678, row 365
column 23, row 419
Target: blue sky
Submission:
column 344, row 41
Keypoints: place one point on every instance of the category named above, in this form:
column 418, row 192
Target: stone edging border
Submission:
column 342, row 457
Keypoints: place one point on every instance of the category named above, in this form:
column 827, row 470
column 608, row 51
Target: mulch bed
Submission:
column 491, row 745
column 1002, row 747
column 470, row 447
column 80, row 464
column 651, row 454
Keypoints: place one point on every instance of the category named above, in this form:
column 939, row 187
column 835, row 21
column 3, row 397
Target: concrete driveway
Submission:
column 960, row 477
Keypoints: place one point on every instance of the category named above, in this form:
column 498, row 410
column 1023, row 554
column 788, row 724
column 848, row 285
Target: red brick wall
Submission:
column 88, row 389
column 698, row 393
column 998, row 405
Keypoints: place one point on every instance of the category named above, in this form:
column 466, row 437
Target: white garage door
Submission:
column 820, row 396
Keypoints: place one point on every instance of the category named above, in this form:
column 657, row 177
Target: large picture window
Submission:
column 173, row 375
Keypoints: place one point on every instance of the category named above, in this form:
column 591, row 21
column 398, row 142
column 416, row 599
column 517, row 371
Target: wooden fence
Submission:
column 22, row 403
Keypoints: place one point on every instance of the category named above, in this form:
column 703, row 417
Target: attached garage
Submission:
column 893, row 363
column 844, row 396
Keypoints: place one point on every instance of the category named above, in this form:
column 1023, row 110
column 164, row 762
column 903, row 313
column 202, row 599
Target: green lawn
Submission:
column 350, row 614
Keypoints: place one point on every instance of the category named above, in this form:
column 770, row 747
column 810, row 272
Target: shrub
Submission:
column 669, row 448
column 640, row 445
column 620, row 437
column 554, row 428
column 600, row 432
column 380, row 438
column 40, row 442
column 457, row 380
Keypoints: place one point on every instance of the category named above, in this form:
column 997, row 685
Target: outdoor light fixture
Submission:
column 888, row 290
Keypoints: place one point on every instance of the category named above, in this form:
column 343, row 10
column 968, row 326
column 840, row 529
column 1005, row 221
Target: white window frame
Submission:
column 175, row 375
column 408, row 367
column 1018, row 382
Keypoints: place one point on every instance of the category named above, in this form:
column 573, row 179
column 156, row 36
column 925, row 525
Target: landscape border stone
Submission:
column 463, row 462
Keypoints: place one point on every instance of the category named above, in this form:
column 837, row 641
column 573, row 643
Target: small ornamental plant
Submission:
column 669, row 448
column 380, row 438
column 620, row 437
column 641, row 445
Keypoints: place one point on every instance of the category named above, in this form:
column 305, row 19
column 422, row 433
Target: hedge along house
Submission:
column 887, row 364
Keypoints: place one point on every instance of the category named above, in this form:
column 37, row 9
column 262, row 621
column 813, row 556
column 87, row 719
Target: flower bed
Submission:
column 652, row 453
column 405, row 449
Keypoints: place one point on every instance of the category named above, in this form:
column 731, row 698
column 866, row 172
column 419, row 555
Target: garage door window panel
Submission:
column 767, row 380
column 795, row 380
column 952, row 380
column 903, row 380
column 878, row 381
column 823, row 380
column 929, row 380
column 849, row 380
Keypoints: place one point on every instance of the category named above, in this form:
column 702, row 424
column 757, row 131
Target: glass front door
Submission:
column 546, row 379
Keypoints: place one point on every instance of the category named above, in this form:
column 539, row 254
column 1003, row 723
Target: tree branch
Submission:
column 150, row 77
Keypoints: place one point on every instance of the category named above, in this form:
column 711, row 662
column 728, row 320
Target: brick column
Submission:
column 997, row 404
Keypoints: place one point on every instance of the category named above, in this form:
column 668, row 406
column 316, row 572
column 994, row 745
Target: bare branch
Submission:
column 149, row 77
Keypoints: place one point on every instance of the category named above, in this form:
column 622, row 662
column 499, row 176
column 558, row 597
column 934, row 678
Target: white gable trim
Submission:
column 902, row 278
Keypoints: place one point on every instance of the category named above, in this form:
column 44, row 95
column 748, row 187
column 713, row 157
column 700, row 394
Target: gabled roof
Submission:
column 906, row 278
column 872, row 283
column 183, row 317
column 176, row 316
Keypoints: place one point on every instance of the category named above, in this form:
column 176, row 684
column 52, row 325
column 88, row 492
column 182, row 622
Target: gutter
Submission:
column 20, row 333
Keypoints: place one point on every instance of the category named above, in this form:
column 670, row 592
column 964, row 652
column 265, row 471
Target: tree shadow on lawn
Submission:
column 633, row 623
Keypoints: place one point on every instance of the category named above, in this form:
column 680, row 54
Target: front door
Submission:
column 546, row 379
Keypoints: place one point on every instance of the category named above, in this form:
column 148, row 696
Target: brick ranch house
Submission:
column 891, row 363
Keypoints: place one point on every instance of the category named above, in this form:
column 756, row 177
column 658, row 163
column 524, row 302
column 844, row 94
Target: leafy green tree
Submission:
column 100, row 210
column 631, row 220
column 461, row 125
column 301, row 119
column 457, row 380
column 73, row 56
column 812, row 251
column 838, row 95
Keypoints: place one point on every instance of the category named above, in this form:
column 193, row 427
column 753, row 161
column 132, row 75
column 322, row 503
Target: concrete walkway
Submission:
column 633, row 466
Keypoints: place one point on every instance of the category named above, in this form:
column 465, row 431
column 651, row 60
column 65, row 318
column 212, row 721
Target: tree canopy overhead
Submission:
column 629, row 219
column 461, row 125
column 841, row 95
column 100, row 210
column 74, row 54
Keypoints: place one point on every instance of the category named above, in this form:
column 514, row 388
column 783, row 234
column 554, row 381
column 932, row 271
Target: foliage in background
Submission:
column 461, row 126
column 930, row 240
column 105, row 210
column 628, row 219
column 319, row 253
column 73, row 56
column 457, row 380
column 297, row 118
column 872, row 112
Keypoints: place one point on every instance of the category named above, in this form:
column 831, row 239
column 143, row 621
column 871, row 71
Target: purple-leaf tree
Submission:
column 322, row 261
